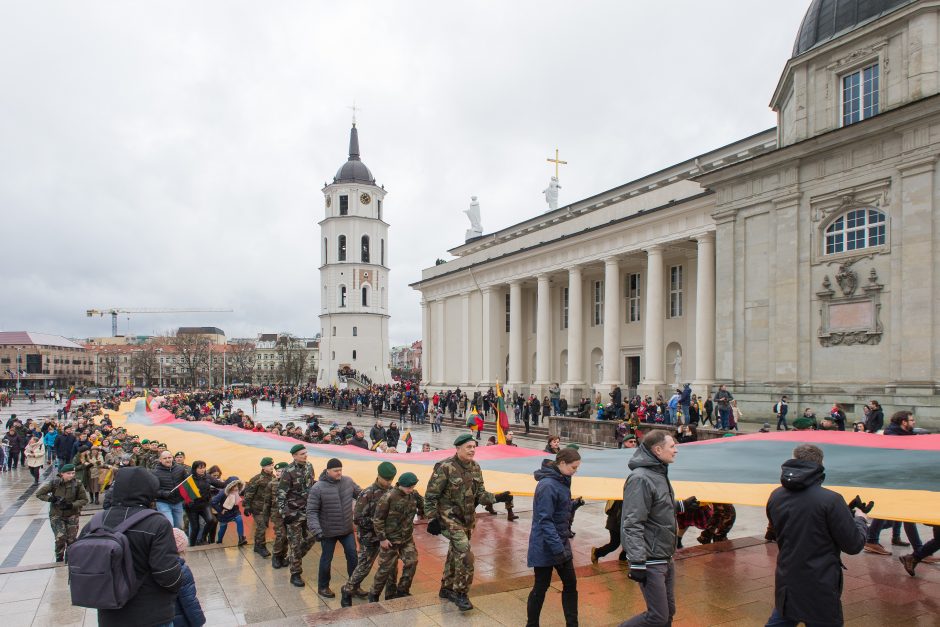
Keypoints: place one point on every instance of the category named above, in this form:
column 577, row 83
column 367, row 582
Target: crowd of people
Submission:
column 97, row 462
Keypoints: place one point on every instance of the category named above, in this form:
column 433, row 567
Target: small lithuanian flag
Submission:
column 407, row 438
column 188, row 490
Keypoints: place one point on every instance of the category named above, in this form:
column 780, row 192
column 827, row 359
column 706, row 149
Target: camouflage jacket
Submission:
column 455, row 490
column 270, row 501
column 394, row 518
column 292, row 489
column 254, row 496
column 72, row 491
column 365, row 510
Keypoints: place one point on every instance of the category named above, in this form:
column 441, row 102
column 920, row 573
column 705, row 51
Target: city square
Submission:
column 711, row 320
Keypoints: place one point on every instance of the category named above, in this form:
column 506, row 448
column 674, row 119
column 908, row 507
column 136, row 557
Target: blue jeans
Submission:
column 327, row 545
column 556, row 406
column 173, row 512
column 724, row 417
column 777, row 620
column 685, row 413
column 239, row 526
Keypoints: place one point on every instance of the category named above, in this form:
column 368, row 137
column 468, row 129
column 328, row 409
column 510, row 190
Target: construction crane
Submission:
column 114, row 311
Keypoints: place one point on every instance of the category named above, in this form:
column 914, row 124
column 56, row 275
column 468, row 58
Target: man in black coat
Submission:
column 153, row 550
column 63, row 446
column 813, row 527
column 169, row 475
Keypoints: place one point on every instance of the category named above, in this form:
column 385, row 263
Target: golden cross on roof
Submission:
column 354, row 110
column 557, row 162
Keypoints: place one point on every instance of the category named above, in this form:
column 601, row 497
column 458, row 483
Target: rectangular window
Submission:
column 633, row 297
column 507, row 313
column 598, row 318
column 344, row 205
column 860, row 95
column 675, row 291
column 564, row 308
column 378, row 206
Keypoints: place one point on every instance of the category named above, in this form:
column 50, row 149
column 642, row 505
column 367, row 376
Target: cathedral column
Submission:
column 653, row 344
column 611, row 321
column 575, row 328
column 465, row 343
column 705, row 315
column 515, row 335
column 543, row 331
column 439, row 343
column 425, row 343
column 490, row 330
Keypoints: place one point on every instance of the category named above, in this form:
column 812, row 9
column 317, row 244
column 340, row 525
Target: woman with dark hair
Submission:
column 876, row 418
column 550, row 538
column 200, row 508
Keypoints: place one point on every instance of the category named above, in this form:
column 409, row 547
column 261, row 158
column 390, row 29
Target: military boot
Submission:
column 462, row 602
column 262, row 550
column 445, row 594
column 510, row 515
column 277, row 562
column 359, row 592
column 391, row 591
column 490, row 509
column 297, row 580
column 373, row 598
column 345, row 597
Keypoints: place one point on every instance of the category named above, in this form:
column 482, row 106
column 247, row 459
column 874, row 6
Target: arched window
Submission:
column 341, row 248
column 342, row 295
column 355, row 331
column 365, row 295
column 354, row 355
column 365, row 249
column 854, row 230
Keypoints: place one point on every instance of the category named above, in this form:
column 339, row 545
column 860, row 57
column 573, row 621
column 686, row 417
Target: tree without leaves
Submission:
column 242, row 360
column 144, row 364
column 292, row 357
column 193, row 353
column 108, row 367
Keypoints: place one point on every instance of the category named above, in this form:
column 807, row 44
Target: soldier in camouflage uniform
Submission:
column 368, row 543
column 454, row 491
column 279, row 560
column 67, row 496
column 292, row 488
column 394, row 524
column 719, row 523
column 254, row 504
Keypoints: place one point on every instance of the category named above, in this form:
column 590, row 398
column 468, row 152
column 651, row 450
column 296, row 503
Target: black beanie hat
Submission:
column 334, row 463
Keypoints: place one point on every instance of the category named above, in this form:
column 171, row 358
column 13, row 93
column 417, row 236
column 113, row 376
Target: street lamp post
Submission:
column 224, row 360
column 19, row 369
column 160, row 350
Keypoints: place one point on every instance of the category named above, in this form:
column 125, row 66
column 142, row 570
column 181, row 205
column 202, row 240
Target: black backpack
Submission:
column 101, row 567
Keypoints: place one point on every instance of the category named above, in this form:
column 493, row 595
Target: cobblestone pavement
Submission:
column 726, row 584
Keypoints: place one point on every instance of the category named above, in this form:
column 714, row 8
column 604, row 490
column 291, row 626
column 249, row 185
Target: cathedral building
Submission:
column 354, row 344
column 797, row 261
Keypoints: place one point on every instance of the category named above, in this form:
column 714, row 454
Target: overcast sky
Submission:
column 172, row 154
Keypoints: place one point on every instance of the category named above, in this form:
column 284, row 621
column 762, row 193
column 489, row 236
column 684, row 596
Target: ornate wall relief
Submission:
column 850, row 316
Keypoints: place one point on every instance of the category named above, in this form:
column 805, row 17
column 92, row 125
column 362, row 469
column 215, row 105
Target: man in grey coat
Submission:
column 330, row 520
column 648, row 527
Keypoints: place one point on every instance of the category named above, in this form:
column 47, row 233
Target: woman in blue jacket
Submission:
column 550, row 538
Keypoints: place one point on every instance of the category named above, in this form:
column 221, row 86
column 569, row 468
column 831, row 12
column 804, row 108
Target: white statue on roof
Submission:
column 551, row 193
column 473, row 213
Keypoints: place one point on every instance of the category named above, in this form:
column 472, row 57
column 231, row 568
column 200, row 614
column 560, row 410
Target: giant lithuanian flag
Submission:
column 502, row 419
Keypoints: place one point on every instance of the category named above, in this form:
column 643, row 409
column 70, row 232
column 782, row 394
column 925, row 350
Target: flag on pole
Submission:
column 188, row 490
column 147, row 399
column 407, row 438
column 68, row 403
column 376, row 445
column 108, row 477
column 502, row 419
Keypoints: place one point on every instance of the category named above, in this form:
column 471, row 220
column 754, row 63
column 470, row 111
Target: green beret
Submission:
column 408, row 479
column 179, row 453
column 573, row 445
column 802, row 423
column 387, row 470
column 67, row 468
column 145, row 441
column 630, row 436
column 296, row 448
column 281, row 465
column 266, row 461
column 348, row 436
column 462, row 439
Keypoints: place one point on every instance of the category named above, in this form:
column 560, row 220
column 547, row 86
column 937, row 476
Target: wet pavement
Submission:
column 730, row 583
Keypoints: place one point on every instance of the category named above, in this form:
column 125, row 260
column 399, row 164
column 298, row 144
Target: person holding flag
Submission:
column 169, row 500
column 68, row 403
column 475, row 422
column 502, row 418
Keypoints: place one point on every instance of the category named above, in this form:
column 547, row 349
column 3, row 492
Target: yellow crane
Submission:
column 114, row 311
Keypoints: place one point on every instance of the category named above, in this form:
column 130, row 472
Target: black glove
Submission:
column 290, row 519
column 434, row 527
column 576, row 503
column 638, row 573
column 246, row 511
column 690, row 504
column 503, row 497
column 63, row 504
column 55, row 499
column 857, row 503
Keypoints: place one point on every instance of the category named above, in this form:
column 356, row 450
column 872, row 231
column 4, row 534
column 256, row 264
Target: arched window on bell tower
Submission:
column 341, row 248
column 342, row 295
column 365, row 295
column 365, row 249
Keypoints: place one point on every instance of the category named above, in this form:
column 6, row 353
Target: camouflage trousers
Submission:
column 299, row 542
column 261, row 528
column 388, row 565
column 368, row 552
column 280, row 536
column 719, row 523
column 458, row 567
column 65, row 530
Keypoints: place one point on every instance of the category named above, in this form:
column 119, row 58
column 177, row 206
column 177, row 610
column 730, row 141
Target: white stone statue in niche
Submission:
column 677, row 367
column 473, row 213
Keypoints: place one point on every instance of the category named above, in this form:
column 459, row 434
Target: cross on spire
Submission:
column 557, row 162
column 354, row 110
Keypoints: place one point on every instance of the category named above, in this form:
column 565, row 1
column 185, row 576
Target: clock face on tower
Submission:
column 365, row 198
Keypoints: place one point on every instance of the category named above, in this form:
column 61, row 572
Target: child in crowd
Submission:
column 188, row 610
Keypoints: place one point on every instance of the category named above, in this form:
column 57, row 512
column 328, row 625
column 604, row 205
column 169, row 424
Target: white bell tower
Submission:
column 354, row 275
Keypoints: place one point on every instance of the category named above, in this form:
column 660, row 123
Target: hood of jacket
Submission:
column 798, row 475
column 233, row 483
column 134, row 486
column 549, row 470
column 324, row 476
column 644, row 458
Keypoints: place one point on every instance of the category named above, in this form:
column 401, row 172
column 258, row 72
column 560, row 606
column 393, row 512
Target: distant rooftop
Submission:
column 200, row 331
column 28, row 338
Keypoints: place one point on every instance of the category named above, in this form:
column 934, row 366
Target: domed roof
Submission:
column 354, row 170
column 827, row 19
